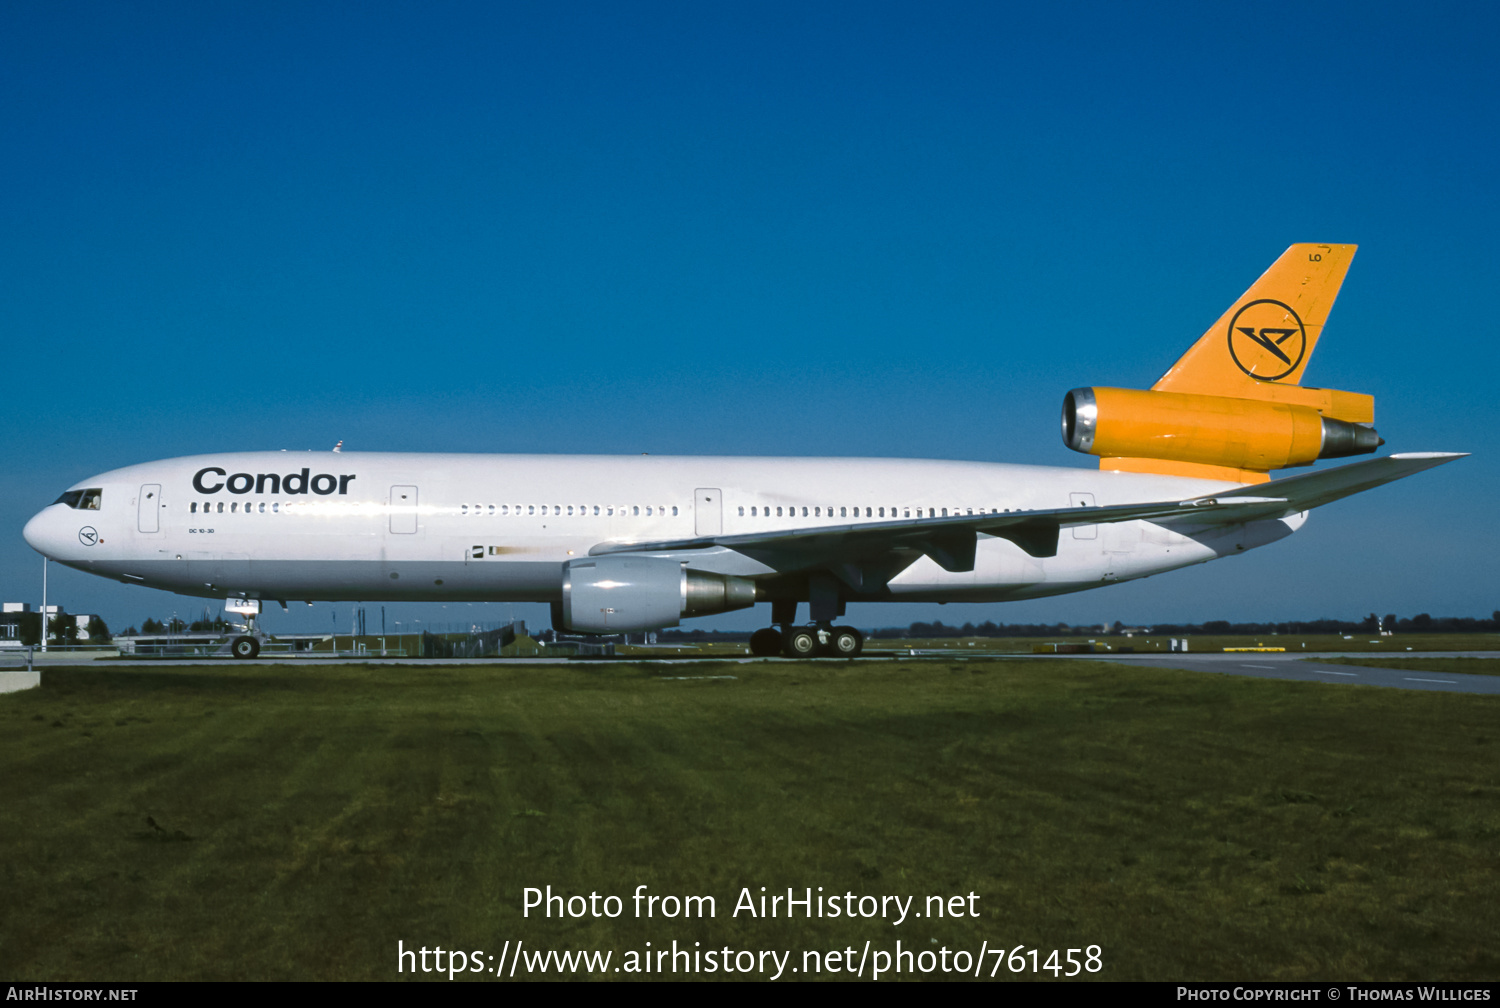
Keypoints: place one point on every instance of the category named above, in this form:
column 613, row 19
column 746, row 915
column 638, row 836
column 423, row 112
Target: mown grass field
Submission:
column 297, row 822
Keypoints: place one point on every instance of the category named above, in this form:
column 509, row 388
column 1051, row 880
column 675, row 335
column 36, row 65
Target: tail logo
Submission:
column 1267, row 340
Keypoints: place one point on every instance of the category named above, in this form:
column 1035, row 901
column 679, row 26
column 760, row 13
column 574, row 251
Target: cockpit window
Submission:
column 82, row 500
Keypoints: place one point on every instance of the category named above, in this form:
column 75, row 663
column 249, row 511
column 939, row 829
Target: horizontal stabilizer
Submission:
column 1295, row 494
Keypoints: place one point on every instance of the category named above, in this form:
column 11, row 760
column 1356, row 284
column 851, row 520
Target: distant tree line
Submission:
column 1420, row 623
column 988, row 628
column 204, row 624
column 702, row 636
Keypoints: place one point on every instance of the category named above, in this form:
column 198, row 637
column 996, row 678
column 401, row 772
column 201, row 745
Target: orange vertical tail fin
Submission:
column 1232, row 408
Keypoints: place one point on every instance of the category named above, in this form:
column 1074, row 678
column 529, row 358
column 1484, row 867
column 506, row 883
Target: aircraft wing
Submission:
column 950, row 541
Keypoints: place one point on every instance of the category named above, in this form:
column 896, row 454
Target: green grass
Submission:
column 1468, row 666
column 306, row 819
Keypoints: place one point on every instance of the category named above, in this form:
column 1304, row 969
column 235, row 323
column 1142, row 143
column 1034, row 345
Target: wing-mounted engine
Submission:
column 622, row 594
column 1256, row 435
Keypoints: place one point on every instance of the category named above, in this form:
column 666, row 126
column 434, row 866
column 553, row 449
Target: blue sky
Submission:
column 776, row 229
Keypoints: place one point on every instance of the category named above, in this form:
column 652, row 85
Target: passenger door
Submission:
column 403, row 510
column 708, row 512
column 148, row 508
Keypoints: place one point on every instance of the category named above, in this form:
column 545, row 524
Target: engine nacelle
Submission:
column 621, row 594
column 1213, row 430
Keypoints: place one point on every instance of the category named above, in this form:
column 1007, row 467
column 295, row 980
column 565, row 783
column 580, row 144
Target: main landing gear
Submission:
column 820, row 641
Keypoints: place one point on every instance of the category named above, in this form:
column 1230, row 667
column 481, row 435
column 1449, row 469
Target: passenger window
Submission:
column 275, row 506
column 778, row 512
column 570, row 509
column 882, row 512
column 221, row 507
column 843, row 512
column 193, row 508
column 636, row 511
column 531, row 509
column 817, row 512
column 674, row 511
column 742, row 510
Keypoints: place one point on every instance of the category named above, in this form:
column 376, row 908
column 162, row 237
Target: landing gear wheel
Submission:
column 244, row 647
column 800, row 643
column 847, row 642
column 765, row 642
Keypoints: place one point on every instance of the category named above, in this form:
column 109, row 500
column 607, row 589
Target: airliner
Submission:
column 621, row 544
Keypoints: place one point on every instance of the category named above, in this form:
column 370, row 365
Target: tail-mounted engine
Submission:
column 621, row 594
column 1247, row 434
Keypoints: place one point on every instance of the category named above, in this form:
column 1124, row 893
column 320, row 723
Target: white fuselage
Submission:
column 375, row 526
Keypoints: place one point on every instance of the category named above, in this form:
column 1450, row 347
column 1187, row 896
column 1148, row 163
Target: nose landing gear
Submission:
column 246, row 645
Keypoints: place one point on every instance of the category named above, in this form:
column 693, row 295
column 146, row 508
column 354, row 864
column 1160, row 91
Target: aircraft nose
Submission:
column 41, row 533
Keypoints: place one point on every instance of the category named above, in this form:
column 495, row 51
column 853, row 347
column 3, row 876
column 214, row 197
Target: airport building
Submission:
column 20, row 624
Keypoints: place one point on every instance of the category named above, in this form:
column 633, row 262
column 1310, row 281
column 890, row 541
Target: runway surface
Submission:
column 1259, row 665
column 1298, row 669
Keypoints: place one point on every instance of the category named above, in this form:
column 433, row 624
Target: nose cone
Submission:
column 42, row 533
